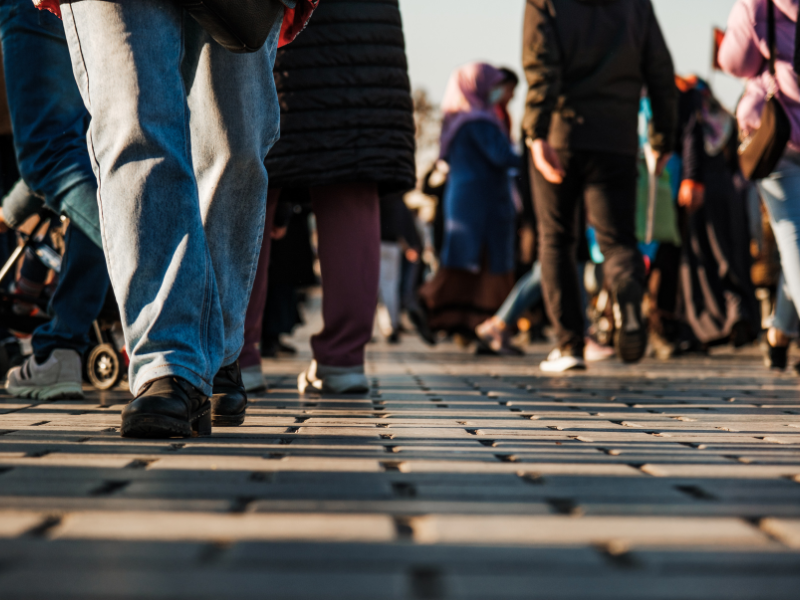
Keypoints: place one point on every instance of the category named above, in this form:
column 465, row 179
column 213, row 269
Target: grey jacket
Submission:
column 586, row 62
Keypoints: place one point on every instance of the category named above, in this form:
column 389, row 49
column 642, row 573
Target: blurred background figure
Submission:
column 347, row 137
column 585, row 81
column 476, row 270
column 401, row 249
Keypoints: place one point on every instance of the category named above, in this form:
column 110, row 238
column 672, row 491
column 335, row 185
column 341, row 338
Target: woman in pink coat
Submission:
column 745, row 53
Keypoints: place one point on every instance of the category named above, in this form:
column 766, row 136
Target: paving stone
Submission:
column 178, row 526
column 14, row 523
column 786, row 530
column 623, row 532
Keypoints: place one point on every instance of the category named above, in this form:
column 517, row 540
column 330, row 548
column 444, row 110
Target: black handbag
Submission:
column 761, row 152
column 238, row 25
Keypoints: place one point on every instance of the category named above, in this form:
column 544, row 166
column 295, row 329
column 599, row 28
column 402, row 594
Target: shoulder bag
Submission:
column 238, row 25
column 761, row 152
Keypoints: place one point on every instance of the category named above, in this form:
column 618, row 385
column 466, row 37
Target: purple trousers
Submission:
column 348, row 232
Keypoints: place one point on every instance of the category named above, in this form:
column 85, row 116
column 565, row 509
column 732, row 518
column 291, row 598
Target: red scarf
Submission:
column 294, row 19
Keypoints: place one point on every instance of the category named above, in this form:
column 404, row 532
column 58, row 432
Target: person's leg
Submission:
column 78, row 299
column 47, row 113
column 785, row 320
column 781, row 195
column 127, row 58
column 250, row 357
column 556, row 214
column 234, row 121
column 348, row 225
column 526, row 293
column 389, row 287
column 611, row 210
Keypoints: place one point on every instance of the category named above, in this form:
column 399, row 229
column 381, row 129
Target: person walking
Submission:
column 477, row 257
column 49, row 122
column 586, row 62
column 180, row 128
column 745, row 52
column 347, row 136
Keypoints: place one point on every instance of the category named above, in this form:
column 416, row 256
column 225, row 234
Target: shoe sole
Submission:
column 577, row 367
column 153, row 426
column 228, row 420
column 59, row 391
column 630, row 345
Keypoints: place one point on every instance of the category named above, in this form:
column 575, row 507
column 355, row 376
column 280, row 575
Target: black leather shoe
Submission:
column 229, row 402
column 167, row 407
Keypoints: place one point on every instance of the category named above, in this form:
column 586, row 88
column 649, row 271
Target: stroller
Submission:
column 105, row 363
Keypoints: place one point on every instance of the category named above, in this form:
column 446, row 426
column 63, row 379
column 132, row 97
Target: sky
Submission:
column 443, row 34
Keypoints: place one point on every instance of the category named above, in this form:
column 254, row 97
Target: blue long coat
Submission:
column 478, row 210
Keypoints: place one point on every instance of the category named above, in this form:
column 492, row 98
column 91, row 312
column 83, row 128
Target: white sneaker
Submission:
column 558, row 363
column 58, row 378
column 333, row 380
column 253, row 379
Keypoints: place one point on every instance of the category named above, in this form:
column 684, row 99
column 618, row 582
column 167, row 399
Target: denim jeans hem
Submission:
column 157, row 371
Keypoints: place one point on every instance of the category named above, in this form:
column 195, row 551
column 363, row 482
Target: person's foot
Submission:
column 167, row 407
column 560, row 361
column 57, row 378
column 333, row 380
column 419, row 317
column 660, row 347
column 630, row 337
column 229, row 399
column 393, row 338
column 594, row 352
column 285, row 348
column 775, row 357
column 253, row 379
column 493, row 336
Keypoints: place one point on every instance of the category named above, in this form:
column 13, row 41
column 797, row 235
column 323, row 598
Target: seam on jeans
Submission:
column 91, row 151
column 150, row 378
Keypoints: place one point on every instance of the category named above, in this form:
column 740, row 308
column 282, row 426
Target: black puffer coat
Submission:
column 346, row 109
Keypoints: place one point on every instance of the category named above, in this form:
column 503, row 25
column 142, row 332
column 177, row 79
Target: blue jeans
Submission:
column 179, row 132
column 47, row 113
column 78, row 299
column 50, row 121
column 785, row 317
column 525, row 294
column 781, row 194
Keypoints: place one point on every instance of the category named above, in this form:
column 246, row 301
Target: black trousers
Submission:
column 606, row 183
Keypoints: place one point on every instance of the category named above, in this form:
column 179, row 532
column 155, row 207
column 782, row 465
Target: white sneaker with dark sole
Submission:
column 558, row 363
column 58, row 378
column 333, row 380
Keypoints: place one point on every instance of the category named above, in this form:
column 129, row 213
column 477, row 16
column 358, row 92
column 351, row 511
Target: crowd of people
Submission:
column 152, row 174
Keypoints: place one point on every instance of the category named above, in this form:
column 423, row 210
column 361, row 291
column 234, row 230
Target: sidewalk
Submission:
column 456, row 477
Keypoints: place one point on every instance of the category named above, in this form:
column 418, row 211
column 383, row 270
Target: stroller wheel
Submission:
column 103, row 367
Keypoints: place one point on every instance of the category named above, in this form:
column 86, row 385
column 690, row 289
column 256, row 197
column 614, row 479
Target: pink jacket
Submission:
column 744, row 53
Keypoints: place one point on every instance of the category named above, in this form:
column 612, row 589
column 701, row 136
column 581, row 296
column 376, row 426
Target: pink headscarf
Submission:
column 467, row 99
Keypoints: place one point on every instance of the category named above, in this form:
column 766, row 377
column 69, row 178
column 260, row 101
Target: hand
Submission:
column 546, row 161
column 3, row 225
column 661, row 162
column 691, row 195
column 278, row 233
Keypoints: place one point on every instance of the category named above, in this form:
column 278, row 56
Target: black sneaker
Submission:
column 419, row 317
column 229, row 402
column 630, row 336
column 167, row 407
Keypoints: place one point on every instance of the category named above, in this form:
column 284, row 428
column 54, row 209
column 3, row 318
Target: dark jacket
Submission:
column 586, row 62
column 346, row 109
